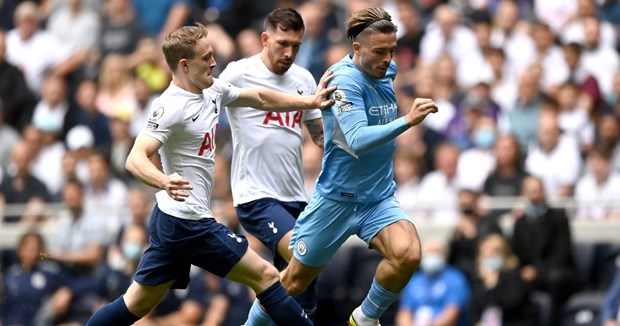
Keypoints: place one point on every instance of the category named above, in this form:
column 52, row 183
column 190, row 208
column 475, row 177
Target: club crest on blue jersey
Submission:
column 301, row 247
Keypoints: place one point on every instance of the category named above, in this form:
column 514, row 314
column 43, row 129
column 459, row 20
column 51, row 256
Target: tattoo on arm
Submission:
column 315, row 129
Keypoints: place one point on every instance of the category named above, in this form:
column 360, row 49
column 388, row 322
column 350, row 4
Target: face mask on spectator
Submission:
column 132, row 251
column 484, row 138
column 535, row 209
column 493, row 263
column 432, row 263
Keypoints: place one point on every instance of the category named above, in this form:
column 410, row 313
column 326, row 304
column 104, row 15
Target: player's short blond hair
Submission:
column 180, row 44
column 372, row 19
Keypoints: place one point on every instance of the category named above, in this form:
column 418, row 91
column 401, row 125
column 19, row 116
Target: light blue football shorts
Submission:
column 326, row 224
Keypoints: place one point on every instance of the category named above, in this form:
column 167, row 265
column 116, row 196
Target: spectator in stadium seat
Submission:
column 76, row 25
column 476, row 163
column 105, row 196
column 87, row 113
column 555, row 158
column 597, row 191
column 437, row 294
column 14, row 91
column 610, row 310
column 542, row 242
column 34, row 292
column 499, row 295
column 160, row 18
column 574, row 117
column 116, row 91
column 19, row 186
column 28, row 47
column 608, row 137
column 121, row 30
column 507, row 178
column 79, row 243
column 10, row 137
column 437, row 192
column 116, row 151
column 521, row 118
column 470, row 228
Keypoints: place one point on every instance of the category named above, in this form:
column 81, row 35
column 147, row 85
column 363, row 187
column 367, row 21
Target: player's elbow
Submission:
column 130, row 164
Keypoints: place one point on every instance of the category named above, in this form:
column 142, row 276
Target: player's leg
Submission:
column 226, row 254
column 389, row 231
column 314, row 241
column 272, row 222
column 158, row 270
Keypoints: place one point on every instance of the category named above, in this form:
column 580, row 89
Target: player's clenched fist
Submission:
column 420, row 108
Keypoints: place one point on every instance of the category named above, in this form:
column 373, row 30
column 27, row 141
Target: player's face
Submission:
column 374, row 53
column 281, row 48
column 202, row 64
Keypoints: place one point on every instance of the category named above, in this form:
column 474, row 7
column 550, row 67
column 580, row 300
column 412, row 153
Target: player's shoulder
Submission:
column 301, row 73
column 219, row 87
column 238, row 66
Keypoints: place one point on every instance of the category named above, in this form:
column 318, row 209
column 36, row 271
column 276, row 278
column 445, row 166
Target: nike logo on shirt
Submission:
column 194, row 118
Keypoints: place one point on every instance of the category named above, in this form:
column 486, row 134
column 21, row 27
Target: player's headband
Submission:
column 355, row 31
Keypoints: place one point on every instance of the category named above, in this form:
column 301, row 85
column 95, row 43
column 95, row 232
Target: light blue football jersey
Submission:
column 357, row 164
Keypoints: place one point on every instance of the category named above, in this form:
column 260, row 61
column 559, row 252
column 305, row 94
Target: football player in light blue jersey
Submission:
column 355, row 190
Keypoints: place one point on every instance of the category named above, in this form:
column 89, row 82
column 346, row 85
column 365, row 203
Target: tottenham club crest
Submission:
column 301, row 247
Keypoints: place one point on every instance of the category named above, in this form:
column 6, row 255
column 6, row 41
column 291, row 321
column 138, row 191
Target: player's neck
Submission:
column 265, row 59
column 185, row 84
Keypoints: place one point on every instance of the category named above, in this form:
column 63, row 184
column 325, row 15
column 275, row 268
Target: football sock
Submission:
column 377, row 301
column 257, row 317
column 308, row 300
column 281, row 307
column 114, row 313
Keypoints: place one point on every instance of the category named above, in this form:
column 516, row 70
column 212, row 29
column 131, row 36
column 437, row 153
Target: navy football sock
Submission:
column 281, row 307
column 308, row 300
column 114, row 313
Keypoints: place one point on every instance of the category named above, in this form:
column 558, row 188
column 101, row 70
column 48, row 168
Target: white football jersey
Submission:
column 267, row 161
column 186, row 124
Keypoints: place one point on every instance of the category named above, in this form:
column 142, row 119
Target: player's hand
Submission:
column 420, row 108
column 321, row 96
column 177, row 187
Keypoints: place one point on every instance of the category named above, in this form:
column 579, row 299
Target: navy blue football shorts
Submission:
column 269, row 220
column 175, row 244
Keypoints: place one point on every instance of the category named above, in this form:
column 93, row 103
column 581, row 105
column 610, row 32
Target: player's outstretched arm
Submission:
column 362, row 138
column 269, row 100
column 139, row 165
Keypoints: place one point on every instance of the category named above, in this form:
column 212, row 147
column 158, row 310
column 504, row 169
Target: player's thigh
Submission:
column 253, row 271
column 217, row 249
column 388, row 229
column 270, row 221
column 321, row 229
column 140, row 298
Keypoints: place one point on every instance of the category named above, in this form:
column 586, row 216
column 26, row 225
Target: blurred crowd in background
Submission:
column 529, row 107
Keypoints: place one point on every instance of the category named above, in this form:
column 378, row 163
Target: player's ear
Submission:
column 264, row 37
column 183, row 65
column 356, row 47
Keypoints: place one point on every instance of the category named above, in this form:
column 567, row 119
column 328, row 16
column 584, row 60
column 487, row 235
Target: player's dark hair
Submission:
column 286, row 19
column 180, row 44
column 373, row 19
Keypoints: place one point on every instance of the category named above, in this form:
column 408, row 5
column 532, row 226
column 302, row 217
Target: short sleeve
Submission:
column 228, row 91
column 162, row 121
column 231, row 74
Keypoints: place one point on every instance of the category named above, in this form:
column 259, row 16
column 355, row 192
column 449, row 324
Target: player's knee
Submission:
column 139, row 306
column 269, row 275
column 406, row 257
